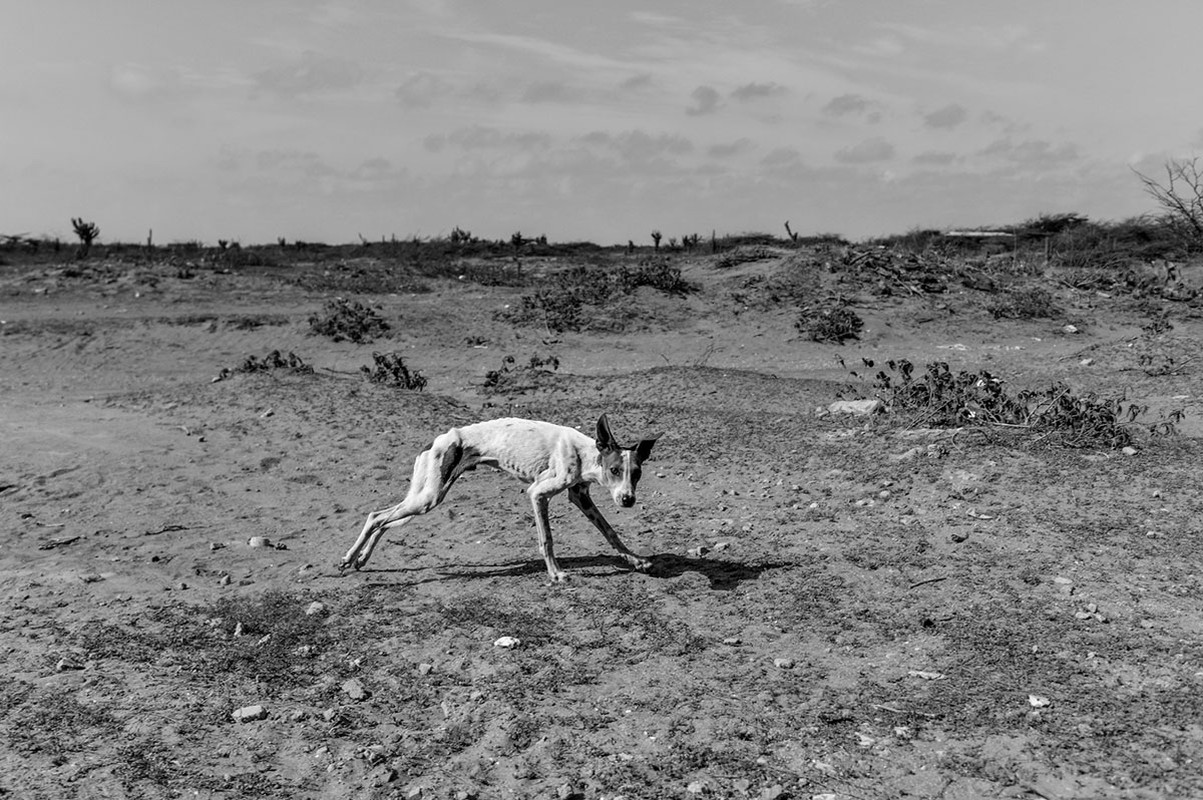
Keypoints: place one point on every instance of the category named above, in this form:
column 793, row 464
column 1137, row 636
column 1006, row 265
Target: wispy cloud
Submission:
column 311, row 73
column 755, row 91
column 946, row 118
column 705, row 101
column 846, row 104
column 866, row 152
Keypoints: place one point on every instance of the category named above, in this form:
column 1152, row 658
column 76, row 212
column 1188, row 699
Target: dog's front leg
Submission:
column 579, row 495
column 546, row 548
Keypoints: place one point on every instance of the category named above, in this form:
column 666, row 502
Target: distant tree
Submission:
column 1180, row 197
column 656, row 237
column 87, row 233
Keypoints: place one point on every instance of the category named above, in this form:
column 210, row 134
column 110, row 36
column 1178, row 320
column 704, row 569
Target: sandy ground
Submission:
column 840, row 608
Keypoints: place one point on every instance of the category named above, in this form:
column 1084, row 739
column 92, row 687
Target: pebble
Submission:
column 216, row 545
column 249, row 713
column 354, row 689
column 1086, row 362
column 783, row 663
column 224, row 580
column 314, row 608
column 425, row 669
column 1070, row 329
column 507, row 641
column 259, row 541
column 65, row 664
column 1129, row 451
column 959, row 536
column 859, row 408
column 697, row 552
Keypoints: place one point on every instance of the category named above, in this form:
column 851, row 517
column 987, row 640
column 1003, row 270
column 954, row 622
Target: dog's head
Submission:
column 621, row 465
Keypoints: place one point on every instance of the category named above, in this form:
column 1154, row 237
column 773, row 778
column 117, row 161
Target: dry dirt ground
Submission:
column 882, row 609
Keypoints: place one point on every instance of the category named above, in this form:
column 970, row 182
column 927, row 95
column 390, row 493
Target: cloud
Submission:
column 640, row 147
column 755, row 91
column 1033, row 153
column 140, row 82
column 421, row 90
column 730, row 148
column 311, row 73
column 479, row 137
column 782, row 157
column 550, row 92
column 934, row 158
column 946, row 118
column 640, row 81
column 705, row 100
column 846, row 104
column 866, row 152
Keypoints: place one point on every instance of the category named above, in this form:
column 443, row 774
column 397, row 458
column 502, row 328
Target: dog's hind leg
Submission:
column 435, row 471
column 579, row 495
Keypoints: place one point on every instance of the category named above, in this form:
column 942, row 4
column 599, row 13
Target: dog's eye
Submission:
column 616, row 471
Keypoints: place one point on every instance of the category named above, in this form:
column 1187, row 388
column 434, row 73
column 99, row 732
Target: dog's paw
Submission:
column 642, row 564
column 559, row 577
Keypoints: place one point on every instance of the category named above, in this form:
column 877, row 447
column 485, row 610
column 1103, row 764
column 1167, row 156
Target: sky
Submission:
column 250, row 120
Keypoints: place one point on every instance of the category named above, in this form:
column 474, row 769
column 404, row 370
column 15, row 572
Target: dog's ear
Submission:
column 605, row 439
column 644, row 448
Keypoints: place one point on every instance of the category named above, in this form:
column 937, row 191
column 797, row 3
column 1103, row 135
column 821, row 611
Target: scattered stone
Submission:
column 865, row 502
column 259, row 541
column 249, row 713
column 1037, row 701
column 183, row 585
column 958, row 536
column 565, row 791
column 415, row 793
column 425, row 669
column 783, row 663
column 697, row 552
column 884, row 494
column 507, row 642
column 216, row 545
column 91, row 577
column 858, row 408
column 733, row 640
column 269, row 412
column 383, row 775
column 354, row 689
column 1129, row 451
column 298, row 715
column 721, row 546
column 741, row 784
column 66, row 664
column 314, row 608
column 237, row 629
column 1086, row 362
column 224, row 580
column 696, row 787
column 1070, row 329
column 1153, row 534
column 774, row 792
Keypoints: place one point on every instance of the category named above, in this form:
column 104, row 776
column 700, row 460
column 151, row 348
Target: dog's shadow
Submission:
column 723, row 575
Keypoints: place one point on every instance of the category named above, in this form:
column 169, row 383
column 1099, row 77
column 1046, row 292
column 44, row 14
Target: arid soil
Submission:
column 841, row 607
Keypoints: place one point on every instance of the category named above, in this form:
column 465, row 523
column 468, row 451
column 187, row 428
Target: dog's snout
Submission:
column 627, row 500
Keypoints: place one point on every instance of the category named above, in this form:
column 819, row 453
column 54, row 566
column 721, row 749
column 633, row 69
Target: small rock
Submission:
column 865, row 502
column 382, row 776
column 732, row 640
column 958, row 536
column 884, row 494
column 1070, row 329
column 249, row 713
column 91, row 577
column 259, row 541
column 565, row 791
column 1157, row 493
column 354, row 689
column 415, row 793
column 696, row 787
column 269, row 412
column 507, row 642
column 1086, row 362
column 216, row 545
column 1037, row 701
column 783, row 663
column 858, row 408
column 697, row 552
column 721, row 546
column 425, row 669
column 314, row 608
column 298, row 715
column 66, row 664
column 224, row 580
column 774, row 792
column 1129, row 451
column 741, row 784
column 237, row 629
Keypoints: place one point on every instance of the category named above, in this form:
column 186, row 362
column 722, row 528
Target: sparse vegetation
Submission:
column 515, row 378
column 1032, row 302
column 390, row 369
column 832, row 324
column 938, row 397
column 87, row 233
column 348, row 320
